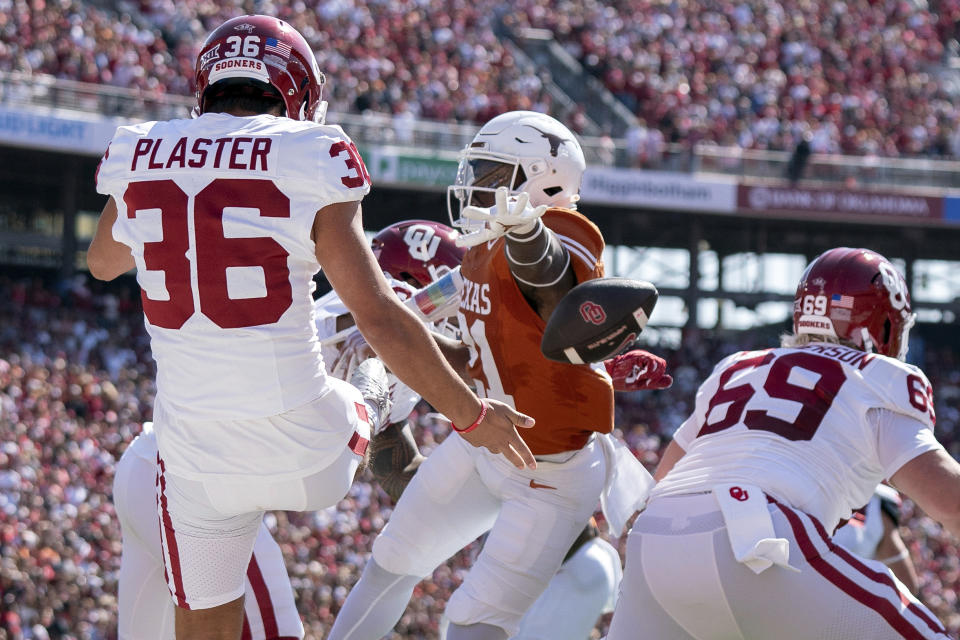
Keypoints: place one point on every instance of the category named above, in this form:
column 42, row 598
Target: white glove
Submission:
column 509, row 215
column 353, row 351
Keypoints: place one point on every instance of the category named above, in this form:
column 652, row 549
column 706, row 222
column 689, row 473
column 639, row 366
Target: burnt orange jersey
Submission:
column 503, row 331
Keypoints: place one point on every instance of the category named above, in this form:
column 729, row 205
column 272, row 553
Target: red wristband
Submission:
column 476, row 423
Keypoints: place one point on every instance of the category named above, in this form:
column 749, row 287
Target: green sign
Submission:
column 387, row 164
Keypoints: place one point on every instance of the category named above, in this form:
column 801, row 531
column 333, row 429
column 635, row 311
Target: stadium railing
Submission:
column 24, row 90
column 854, row 171
column 18, row 89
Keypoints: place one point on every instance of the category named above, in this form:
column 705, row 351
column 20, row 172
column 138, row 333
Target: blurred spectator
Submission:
column 798, row 159
column 403, row 122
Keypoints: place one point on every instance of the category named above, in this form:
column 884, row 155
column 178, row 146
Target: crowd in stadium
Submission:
column 76, row 381
column 858, row 78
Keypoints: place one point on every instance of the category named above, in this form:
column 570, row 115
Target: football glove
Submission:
column 353, row 351
column 638, row 369
column 508, row 215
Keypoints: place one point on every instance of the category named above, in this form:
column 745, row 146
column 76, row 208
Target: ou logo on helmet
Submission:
column 894, row 284
column 422, row 242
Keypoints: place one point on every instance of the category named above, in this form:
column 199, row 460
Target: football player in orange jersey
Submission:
column 515, row 199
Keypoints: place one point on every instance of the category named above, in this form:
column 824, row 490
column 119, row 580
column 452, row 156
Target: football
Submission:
column 598, row 319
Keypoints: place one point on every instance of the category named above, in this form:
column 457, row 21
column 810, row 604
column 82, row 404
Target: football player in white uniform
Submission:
column 873, row 532
column 146, row 612
column 226, row 218
column 783, row 444
column 521, row 261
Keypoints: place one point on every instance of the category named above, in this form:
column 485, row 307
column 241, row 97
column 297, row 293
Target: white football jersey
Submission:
column 326, row 308
column 817, row 427
column 218, row 213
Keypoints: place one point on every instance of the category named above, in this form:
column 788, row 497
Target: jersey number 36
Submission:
column 214, row 252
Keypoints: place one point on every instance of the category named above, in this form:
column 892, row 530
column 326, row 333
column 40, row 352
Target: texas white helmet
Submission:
column 523, row 151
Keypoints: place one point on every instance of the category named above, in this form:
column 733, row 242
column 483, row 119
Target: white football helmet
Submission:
column 523, row 151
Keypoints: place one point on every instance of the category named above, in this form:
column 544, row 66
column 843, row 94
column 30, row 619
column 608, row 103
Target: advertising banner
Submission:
column 389, row 165
column 656, row 190
column 836, row 203
column 951, row 210
column 56, row 130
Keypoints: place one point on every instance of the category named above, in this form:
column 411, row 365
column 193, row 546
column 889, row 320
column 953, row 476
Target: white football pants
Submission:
column 146, row 611
column 533, row 516
column 682, row 582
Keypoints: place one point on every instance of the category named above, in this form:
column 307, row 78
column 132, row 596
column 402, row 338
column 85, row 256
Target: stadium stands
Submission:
column 76, row 378
column 861, row 78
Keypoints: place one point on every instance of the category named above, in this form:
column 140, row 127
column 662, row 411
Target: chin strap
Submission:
column 320, row 115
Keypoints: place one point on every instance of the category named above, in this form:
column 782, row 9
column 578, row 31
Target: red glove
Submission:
column 638, row 369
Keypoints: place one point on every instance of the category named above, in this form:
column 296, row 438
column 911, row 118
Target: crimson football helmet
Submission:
column 858, row 296
column 417, row 251
column 266, row 52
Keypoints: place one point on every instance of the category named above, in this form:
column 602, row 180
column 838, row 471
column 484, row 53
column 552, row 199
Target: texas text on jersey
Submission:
column 580, row 397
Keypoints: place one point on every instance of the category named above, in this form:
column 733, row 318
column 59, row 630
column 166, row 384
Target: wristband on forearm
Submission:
column 476, row 423
column 529, row 235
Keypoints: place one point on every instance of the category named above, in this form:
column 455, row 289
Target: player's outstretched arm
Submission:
column 401, row 340
column 539, row 263
column 107, row 258
column 932, row 480
column 394, row 458
column 670, row 457
column 457, row 355
column 892, row 552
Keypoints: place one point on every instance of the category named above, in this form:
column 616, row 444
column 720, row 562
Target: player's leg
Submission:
column 836, row 594
column 218, row 541
column 477, row 631
column 584, row 587
column 210, row 525
column 543, row 512
column 637, row 607
column 143, row 601
column 269, row 606
column 146, row 611
column 206, row 555
column 445, row 507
